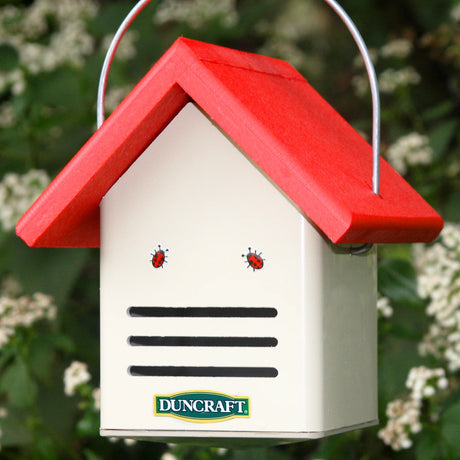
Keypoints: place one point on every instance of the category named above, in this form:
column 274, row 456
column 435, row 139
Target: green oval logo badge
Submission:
column 201, row 406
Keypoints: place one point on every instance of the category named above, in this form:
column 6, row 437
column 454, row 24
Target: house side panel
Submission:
column 350, row 338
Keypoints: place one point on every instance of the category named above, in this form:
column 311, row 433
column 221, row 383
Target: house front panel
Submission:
column 202, row 286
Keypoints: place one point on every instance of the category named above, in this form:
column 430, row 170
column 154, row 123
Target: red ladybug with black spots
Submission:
column 254, row 260
column 159, row 257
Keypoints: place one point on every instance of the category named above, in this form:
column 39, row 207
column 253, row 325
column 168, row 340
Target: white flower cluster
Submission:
column 297, row 20
column 360, row 84
column 284, row 49
column 392, row 79
column 96, row 394
column 127, row 441
column 15, row 80
column 455, row 13
column 424, row 382
column 453, row 168
column 439, row 280
column 398, row 48
column 410, row 150
column 403, row 419
column 404, row 415
column 220, row 451
column 25, row 30
column 17, row 193
column 74, row 376
column 3, row 414
column 197, row 13
column 7, row 115
column 18, row 310
column 384, row 309
column 168, row 456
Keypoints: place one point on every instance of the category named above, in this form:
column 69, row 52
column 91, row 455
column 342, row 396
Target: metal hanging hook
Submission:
column 362, row 49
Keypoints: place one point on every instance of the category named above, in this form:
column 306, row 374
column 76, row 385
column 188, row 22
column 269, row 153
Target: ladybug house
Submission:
column 225, row 195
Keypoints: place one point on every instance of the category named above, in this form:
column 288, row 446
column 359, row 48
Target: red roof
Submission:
column 274, row 115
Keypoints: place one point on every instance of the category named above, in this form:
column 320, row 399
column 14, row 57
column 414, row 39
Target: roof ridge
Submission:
column 264, row 72
column 267, row 65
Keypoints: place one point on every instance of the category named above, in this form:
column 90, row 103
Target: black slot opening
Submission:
column 190, row 371
column 202, row 312
column 158, row 341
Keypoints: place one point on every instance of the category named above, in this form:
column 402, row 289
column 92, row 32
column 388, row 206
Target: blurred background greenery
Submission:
column 51, row 53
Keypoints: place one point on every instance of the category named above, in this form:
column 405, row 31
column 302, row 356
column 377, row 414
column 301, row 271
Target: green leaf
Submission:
column 395, row 251
column 333, row 447
column 60, row 88
column 52, row 271
column 42, row 355
column 88, row 425
column 430, row 447
column 426, row 13
column 398, row 282
column 397, row 357
column 14, row 431
column 46, row 448
column 438, row 111
column 90, row 455
column 109, row 18
column 441, row 137
column 57, row 412
column 452, row 212
column 450, row 428
column 18, row 385
column 260, row 454
column 61, row 342
column 6, row 354
column 6, row 250
column 8, row 57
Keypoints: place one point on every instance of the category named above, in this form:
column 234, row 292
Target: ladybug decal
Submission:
column 254, row 260
column 159, row 257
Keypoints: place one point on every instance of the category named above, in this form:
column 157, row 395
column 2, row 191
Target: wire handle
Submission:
column 110, row 55
column 361, row 46
column 374, row 91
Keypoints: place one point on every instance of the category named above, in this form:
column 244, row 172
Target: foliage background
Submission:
column 50, row 58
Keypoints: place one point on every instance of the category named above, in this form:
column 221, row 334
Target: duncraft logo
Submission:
column 201, row 406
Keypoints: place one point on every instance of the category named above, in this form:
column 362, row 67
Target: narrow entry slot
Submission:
column 158, row 341
column 202, row 312
column 189, row 371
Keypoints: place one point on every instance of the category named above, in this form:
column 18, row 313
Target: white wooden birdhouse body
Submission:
column 306, row 349
column 222, row 192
